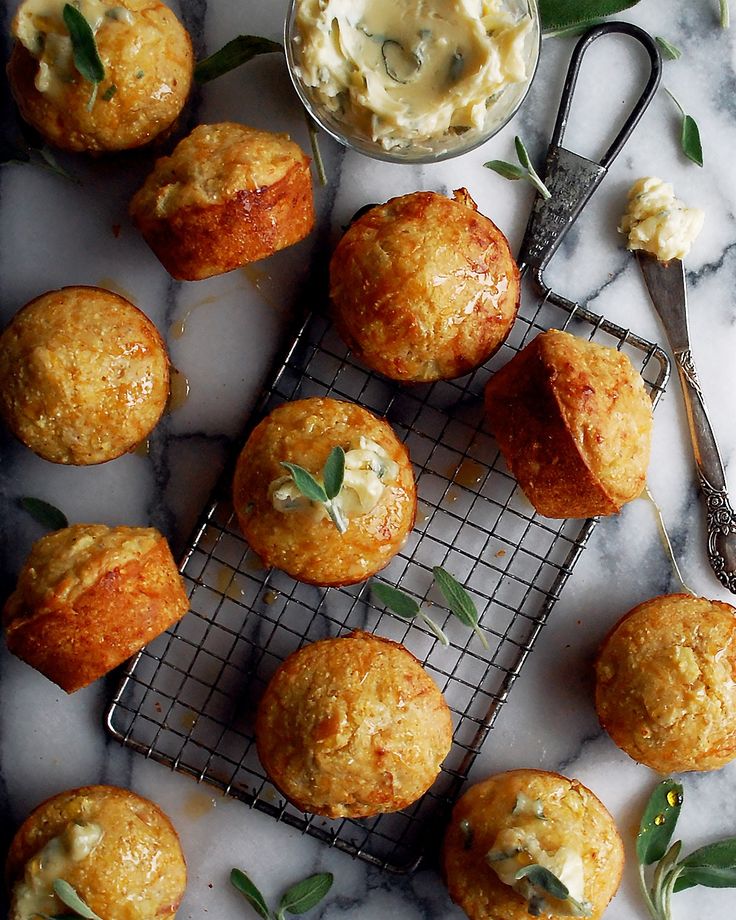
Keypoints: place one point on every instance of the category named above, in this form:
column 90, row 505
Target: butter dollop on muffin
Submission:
column 228, row 195
column 90, row 596
column 665, row 689
column 117, row 850
column 513, row 821
column 424, row 287
column 573, row 421
column 361, row 529
column 146, row 56
column 84, row 375
column 352, row 727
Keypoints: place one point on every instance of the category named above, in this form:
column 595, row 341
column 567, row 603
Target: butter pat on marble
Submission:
column 657, row 222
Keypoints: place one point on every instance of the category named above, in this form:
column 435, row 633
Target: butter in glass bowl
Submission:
column 412, row 81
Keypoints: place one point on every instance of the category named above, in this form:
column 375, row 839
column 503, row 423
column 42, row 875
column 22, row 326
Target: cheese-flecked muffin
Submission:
column 117, row 850
column 352, row 727
column 147, row 60
column 84, row 375
column 573, row 421
column 523, row 818
column 227, row 195
column 665, row 689
column 90, row 596
column 371, row 516
column 424, row 287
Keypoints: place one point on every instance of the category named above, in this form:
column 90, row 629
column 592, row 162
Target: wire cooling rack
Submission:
column 188, row 699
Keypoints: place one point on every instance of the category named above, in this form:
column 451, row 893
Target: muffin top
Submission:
column 117, row 850
column 84, row 375
column 352, row 727
column 665, row 688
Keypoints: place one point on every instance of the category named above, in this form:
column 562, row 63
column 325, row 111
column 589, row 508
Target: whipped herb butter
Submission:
column 659, row 223
column 404, row 72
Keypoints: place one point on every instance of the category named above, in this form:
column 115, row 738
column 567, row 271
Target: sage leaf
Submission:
column 689, row 134
column 333, row 472
column 713, row 866
column 576, row 29
column 242, row 883
column 84, row 47
column 507, row 170
column 306, row 483
column 526, row 162
column 658, row 822
column 434, row 628
column 68, row 896
column 541, row 877
column 236, row 52
column 46, row 514
column 725, row 14
column 669, row 51
column 305, row 894
column 458, row 601
column 399, row 602
column 561, row 14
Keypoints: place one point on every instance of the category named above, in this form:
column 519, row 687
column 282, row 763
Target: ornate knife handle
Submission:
column 721, row 519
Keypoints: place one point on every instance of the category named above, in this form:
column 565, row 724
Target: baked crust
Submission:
column 310, row 548
column 149, row 62
column 228, row 195
column 84, row 375
column 666, row 683
column 137, row 870
column 424, row 287
column 573, row 421
column 89, row 597
column 573, row 817
column 352, row 727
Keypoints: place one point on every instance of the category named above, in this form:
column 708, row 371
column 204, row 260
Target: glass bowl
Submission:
column 334, row 113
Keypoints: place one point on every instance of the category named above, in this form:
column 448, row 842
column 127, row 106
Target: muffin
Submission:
column 352, row 727
column 88, row 597
column 375, row 509
column 227, row 195
column 573, row 421
column 424, row 287
column 526, row 817
column 665, row 689
column 118, row 851
column 146, row 55
column 84, row 375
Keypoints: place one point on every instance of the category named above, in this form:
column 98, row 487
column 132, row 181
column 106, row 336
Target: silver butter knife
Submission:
column 665, row 282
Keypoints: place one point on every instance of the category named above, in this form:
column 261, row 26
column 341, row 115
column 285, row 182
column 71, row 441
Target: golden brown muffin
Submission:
column 118, row 851
column 90, row 596
column 424, row 287
column 573, row 421
column 147, row 58
column 378, row 499
column 665, row 683
column 84, row 375
column 227, row 195
column 526, row 817
column 352, row 727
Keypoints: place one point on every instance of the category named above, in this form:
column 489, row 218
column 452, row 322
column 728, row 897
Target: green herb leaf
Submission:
column 459, row 601
column 725, row 14
column 306, row 894
column 713, row 866
column 306, row 483
column 46, row 514
column 507, row 170
column 542, row 878
column 236, row 52
column 400, row 603
column 669, row 51
column 526, row 162
column 68, row 896
column 434, row 628
column 242, row 883
column 561, row 14
column 576, row 29
column 658, row 822
column 109, row 92
column 690, row 140
column 84, row 47
column 333, row 472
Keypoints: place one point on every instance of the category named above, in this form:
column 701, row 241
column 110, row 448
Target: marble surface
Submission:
column 224, row 334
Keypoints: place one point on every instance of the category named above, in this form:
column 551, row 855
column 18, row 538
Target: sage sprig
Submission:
column 689, row 134
column 327, row 491
column 712, row 866
column 84, row 49
column 69, row 897
column 725, row 14
column 296, row 900
column 404, row 606
column 46, row 514
column 542, row 883
column 559, row 16
column 525, row 171
column 235, row 53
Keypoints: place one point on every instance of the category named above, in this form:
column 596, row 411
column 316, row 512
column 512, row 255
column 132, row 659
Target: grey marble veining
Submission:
column 224, row 335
